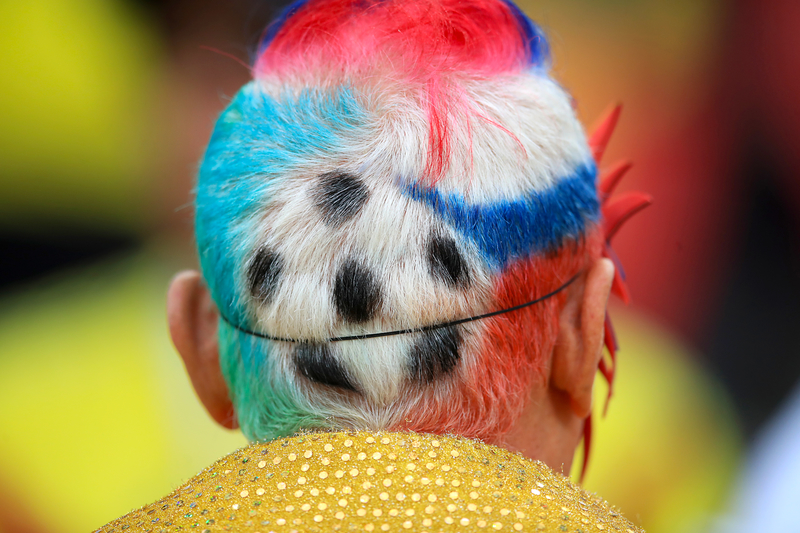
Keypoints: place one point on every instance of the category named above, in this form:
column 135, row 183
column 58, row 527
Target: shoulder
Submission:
column 361, row 481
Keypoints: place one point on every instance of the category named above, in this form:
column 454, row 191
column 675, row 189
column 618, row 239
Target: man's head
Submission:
column 398, row 165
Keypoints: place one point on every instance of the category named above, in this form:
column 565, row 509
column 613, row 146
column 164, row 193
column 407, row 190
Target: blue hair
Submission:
column 256, row 143
column 539, row 221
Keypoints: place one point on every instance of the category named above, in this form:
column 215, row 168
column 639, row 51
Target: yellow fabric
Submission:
column 360, row 481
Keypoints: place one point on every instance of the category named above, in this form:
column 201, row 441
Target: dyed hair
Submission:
column 394, row 164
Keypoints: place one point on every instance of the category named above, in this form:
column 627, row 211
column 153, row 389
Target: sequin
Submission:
column 313, row 469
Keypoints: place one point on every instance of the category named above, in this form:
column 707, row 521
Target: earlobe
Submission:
column 193, row 321
column 579, row 347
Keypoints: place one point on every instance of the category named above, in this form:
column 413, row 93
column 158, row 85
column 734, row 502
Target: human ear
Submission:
column 579, row 346
column 193, row 320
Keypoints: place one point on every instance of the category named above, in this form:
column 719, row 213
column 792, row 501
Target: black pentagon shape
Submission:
column 446, row 262
column 356, row 292
column 339, row 196
column 264, row 273
column 434, row 354
column 316, row 362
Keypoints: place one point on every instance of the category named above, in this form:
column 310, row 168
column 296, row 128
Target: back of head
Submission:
column 394, row 165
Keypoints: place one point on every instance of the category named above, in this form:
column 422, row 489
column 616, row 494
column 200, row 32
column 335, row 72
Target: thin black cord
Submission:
column 412, row 330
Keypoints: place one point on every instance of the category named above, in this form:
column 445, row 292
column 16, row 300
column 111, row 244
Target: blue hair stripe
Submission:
column 509, row 229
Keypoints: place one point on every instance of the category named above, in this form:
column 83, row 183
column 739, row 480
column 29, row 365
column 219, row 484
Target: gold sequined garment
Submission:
column 375, row 482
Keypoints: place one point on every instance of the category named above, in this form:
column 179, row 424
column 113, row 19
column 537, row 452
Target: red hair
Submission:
column 514, row 347
column 423, row 42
